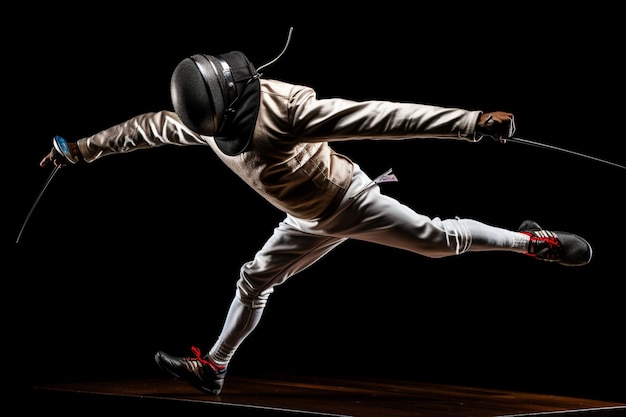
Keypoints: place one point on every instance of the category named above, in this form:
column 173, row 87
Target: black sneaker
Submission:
column 199, row 371
column 561, row 247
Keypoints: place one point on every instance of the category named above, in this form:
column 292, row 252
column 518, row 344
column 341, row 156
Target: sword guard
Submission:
column 63, row 152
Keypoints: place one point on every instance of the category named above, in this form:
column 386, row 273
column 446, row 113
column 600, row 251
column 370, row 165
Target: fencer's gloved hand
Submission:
column 62, row 153
column 498, row 125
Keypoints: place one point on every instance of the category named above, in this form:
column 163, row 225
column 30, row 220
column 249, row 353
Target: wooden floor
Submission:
column 294, row 395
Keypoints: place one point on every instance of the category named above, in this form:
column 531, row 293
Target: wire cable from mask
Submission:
column 230, row 111
column 280, row 54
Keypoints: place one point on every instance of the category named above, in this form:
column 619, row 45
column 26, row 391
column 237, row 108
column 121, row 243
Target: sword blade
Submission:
column 559, row 149
column 30, row 212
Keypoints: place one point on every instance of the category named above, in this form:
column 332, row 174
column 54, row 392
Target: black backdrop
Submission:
column 140, row 252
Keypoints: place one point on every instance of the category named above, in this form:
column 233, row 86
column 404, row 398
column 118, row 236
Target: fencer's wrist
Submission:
column 75, row 151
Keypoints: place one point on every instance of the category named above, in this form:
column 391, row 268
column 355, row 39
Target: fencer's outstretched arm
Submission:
column 144, row 131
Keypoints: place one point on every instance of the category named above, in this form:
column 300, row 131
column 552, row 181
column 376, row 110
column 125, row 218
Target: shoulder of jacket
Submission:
column 281, row 87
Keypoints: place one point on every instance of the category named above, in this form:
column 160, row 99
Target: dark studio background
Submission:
column 140, row 252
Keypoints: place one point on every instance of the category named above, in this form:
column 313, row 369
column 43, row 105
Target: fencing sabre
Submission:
column 488, row 124
column 54, row 171
column 556, row 148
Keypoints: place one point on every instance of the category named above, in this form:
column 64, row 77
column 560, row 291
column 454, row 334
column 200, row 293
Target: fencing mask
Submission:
column 218, row 96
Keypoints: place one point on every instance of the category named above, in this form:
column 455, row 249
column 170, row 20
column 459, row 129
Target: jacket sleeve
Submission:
column 341, row 119
column 144, row 131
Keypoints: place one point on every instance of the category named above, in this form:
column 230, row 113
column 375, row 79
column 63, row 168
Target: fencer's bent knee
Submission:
column 252, row 297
